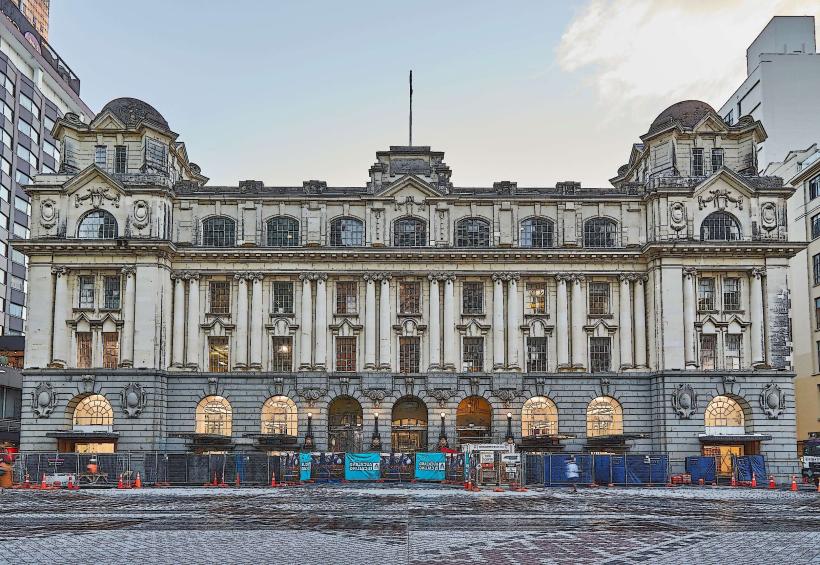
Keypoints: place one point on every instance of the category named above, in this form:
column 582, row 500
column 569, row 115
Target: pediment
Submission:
column 722, row 181
column 600, row 328
column 217, row 324
column 93, row 177
column 107, row 121
column 710, row 123
column 407, row 186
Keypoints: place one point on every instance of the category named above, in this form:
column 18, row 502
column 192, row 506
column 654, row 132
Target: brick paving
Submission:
column 415, row 524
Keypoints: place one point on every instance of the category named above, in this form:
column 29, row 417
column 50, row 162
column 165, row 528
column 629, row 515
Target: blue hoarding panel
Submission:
column 430, row 466
column 362, row 466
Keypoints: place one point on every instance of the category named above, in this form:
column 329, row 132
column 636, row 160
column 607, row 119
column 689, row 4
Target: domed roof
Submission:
column 687, row 113
column 132, row 111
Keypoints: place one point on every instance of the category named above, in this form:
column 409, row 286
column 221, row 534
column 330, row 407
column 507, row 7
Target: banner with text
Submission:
column 305, row 462
column 430, row 466
column 362, row 466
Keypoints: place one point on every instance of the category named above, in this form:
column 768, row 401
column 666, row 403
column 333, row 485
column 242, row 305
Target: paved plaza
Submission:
column 410, row 524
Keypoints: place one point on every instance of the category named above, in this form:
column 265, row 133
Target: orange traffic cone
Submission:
column 794, row 484
column 27, row 482
column 43, row 485
column 138, row 482
column 120, row 484
column 818, row 486
column 216, row 482
column 734, row 481
column 468, row 485
column 772, row 486
column 70, row 485
column 273, row 479
column 237, row 482
column 223, row 483
column 754, row 480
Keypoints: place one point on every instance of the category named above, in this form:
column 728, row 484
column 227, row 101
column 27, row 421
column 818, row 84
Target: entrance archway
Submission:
column 474, row 420
column 344, row 424
column 409, row 426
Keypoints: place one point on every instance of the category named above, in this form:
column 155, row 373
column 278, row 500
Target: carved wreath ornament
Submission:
column 49, row 214
column 684, row 401
column 141, row 214
column 43, row 400
column 772, row 400
column 96, row 194
column 133, row 400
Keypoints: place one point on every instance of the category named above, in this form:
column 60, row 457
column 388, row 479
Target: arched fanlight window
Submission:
column 409, row 232
column 473, row 232
column 605, row 417
column 537, row 232
column 724, row 415
column 214, row 416
column 539, row 417
column 219, row 231
column 600, row 232
column 279, row 416
column 283, row 232
column 720, row 226
column 93, row 412
column 97, row 224
column 346, row 232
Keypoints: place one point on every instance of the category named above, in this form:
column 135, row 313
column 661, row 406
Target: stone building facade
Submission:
column 649, row 316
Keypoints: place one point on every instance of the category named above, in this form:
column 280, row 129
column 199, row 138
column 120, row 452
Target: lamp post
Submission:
column 309, row 435
column 376, row 441
column 510, row 438
column 442, row 436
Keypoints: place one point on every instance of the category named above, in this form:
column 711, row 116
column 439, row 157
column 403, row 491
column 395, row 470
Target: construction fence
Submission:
column 600, row 469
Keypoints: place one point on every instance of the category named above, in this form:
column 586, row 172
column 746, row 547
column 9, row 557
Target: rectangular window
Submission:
column 409, row 354
column 817, row 314
column 815, row 226
column 220, row 292
column 51, row 149
column 731, row 293
column 48, row 124
column 598, row 299
column 734, row 347
column 111, row 292
column 155, row 154
column 283, row 298
column 86, row 283
column 17, row 310
column 218, row 354
column 18, row 284
column 706, row 294
column 815, row 263
column 5, row 166
column 600, row 354
column 120, row 162
column 814, row 187
column 8, row 84
column 6, row 139
column 84, row 350
column 537, row 298
column 346, row 297
column 21, row 177
column 282, row 360
column 7, row 112
column 27, row 156
column 19, row 258
column 100, row 156
column 472, row 301
column 536, row 354
column 708, row 351
column 697, row 162
column 717, row 159
column 21, row 231
column 473, row 354
column 26, row 128
column 30, row 105
column 409, row 298
column 111, row 349
column 5, row 194
column 23, row 205
column 346, row 354
column 4, row 249
column 4, row 221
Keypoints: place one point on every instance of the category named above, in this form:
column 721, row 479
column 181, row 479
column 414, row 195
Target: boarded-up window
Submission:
column 111, row 349
column 84, row 350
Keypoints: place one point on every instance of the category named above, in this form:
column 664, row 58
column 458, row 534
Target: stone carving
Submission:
column 133, row 400
column 677, row 216
column 277, row 386
column 97, row 194
column 213, row 386
column 141, row 214
column 506, row 395
column 684, row 401
column 376, row 395
column 49, row 214
column 86, row 385
column 43, row 400
column 442, row 395
column 475, row 383
column 772, row 401
column 311, row 394
column 768, row 216
column 720, row 199
column 605, row 387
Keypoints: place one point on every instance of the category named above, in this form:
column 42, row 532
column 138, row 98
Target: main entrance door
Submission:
column 409, row 426
column 474, row 420
column 723, row 457
column 344, row 422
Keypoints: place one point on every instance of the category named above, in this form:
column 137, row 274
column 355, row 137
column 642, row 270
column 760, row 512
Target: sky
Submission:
column 534, row 92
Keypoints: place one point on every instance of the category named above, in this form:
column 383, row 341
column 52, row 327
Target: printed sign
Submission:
column 362, row 466
column 305, row 462
column 511, row 458
column 430, row 466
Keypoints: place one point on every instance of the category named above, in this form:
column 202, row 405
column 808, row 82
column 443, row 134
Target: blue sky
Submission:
column 289, row 91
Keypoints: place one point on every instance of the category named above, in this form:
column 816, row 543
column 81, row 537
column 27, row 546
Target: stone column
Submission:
column 562, row 322
column 129, row 299
column 639, row 293
column 320, row 361
column 62, row 306
column 385, row 329
column 240, row 357
column 689, row 314
column 194, row 353
column 257, row 322
column 756, row 331
column 450, row 352
column 513, row 322
column 579, row 336
column 434, row 324
column 40, row 323
column 370, row 322
column 306, row 323
column 178, row 339
column 625, row 322
column 498, row 322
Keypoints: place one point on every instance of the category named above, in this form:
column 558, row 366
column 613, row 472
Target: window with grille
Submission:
column 539, row 417
column 409, row 232
column 815, row 263
column 120, row 159
column 86, row 283
column 111, row 292
column 708, row 351
column 697, row 162
column 731, row 293
column 214, row 416
column 814, row 187
column 409, row 298
column 346, row 232
column 473, row 298
column 279, row 416
column 605, row 417
column 473, row 232
column 283, row 232
column 598, row 298
column 537, row 298
column 283, row 298
column 98, row 224
column 83, row 350
column 815, row 226
column 717, row 159
column 706, row 294
column 536, row 354
column 346, row 354
column 599, row 232
column 537, row 232
column 409, row 354
column 600, row 354
column 111, row 349
column 473, row 354
column 734, row 348
column 346, row 297
column 93, row 411
column 218, row 354
column 99, row 156
column 282, row 360
column 720, row 226
column 220, row 297
column 219, row 232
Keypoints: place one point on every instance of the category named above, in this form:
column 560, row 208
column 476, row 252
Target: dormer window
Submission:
column 120, row 159
column 717, row 159
column 697, row 162
column 156, row 155
column 100, row 156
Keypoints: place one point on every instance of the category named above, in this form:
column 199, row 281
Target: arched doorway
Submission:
column 344, row 424
column 474, row 420
column 409, row 429
column 725, row 426
column 92, row 425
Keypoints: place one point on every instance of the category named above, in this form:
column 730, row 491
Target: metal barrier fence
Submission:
column 601, row 469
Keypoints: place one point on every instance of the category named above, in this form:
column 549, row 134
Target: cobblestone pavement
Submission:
column 410, row 524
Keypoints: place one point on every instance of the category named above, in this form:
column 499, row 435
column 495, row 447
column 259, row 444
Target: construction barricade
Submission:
column 455, row 467
column 397, row 467
column 327, row 467
column 597, row 469
column 747, row 466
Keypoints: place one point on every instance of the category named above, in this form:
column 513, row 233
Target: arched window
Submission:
column 346, row 232
column 539, row 417
column 98, row 224
column 605, row 417
column 599, row 232
column 720, row 226
column 214, row 416
column 409, row 232
column 219, row 232
column 473, row 232
column 283, row 232
column 474, row 420
column 723, row 416
column 344, row 424
column 409, row 425
column 93, row 413
column 537, row 232
column 279, row 416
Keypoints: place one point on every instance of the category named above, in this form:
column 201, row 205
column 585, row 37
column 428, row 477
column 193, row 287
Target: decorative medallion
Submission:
column 133, row 400
column 43, row 400
column 86, row 385
column 213, row 386
column 311, row 394
column 475, row 382
column 772, row 401
column 505, row 395
column 768, row 216
column 49, row 214
column 376, row 395
column 684, row 401
column 141, row 214
column 677, row 216
column 442, row 395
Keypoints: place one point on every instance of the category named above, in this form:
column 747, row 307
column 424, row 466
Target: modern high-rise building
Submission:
column 36, row 12
column 36, row 88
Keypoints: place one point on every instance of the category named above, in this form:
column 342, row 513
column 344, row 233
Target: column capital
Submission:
column 313, row 276
column 625, row 277
column 577, row 278
column 563, row 277
column 442, row 277
column 129, row 270
column 256, row 277
column 758, row 272
column 191, row 276
column 59, row 270
column 690, row 272
column 639, row 277
column 177, row 275
column 243, row 276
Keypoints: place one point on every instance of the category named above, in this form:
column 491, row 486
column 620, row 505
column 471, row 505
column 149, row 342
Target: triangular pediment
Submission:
column 93, row 177
column 710, row 123
column 724, row 179
column 600, row 328
column 410, row 185
column 107, row 121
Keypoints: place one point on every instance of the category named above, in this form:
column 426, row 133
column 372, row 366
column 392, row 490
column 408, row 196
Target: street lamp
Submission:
column 442, row 436
column 376, row 441
column 510, row 438
column 309, row 434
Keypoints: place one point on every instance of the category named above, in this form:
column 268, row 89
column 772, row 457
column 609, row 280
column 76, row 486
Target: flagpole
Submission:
column 411, row 109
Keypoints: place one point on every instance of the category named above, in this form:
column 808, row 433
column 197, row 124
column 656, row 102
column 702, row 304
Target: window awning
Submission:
column 72, row 434
column 733, row 438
